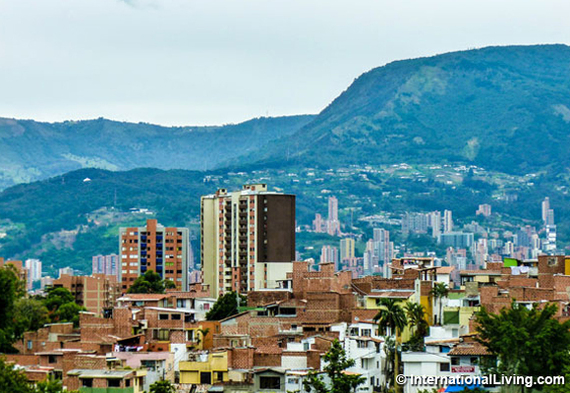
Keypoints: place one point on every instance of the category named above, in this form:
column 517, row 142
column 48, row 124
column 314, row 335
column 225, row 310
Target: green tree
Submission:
column 56, row 297
column 162, row 387
column 526, row 341
column 149, row 282
column 12, row 380
column 336, row 363
column 69, row 312
column 439, row 292
column 11, row 291
column 391, row 321
column 416, row 315
column 51, row 385
column 61, row 306
column 225, row 306
column 29, row 315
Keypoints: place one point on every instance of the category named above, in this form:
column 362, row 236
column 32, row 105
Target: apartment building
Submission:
column 247, row 239
column 154, row 247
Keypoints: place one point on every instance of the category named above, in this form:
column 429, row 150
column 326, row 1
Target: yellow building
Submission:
column 205, row 368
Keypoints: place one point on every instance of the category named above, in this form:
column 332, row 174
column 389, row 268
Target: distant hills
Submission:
column 31, row 150
column 503, row 108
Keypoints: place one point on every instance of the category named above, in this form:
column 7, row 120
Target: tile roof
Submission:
column 467, row 349
column 445, row 269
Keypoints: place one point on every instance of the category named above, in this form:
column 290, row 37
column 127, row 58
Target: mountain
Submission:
column 31, row 150
column 502, row 108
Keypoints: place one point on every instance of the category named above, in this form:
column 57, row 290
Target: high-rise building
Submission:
column 105, row 264
column 484, row 210
column 414, row 223
column 154, row 247
column 456, row 239
column 318, row 223
column 545, row 208
column 34, row 268
column 447, row 221
column 383, row 247
column 329, row 254
column 346, row 248
column 333, row 224
column 66, row 270
column 435, row 223
column 247, row 239
column 549, row 217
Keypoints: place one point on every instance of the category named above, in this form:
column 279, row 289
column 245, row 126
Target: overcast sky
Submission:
column 196, row 62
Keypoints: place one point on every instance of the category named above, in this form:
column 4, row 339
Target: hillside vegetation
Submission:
column 503, row 108
column 31, row 150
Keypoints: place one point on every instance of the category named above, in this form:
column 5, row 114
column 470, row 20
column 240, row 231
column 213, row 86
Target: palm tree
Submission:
column 416, row 314
column 392, row 320
column 440, row 291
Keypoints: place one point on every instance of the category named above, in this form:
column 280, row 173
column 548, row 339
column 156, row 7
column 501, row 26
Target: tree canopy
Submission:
column 526, row 341
column 162, row 387
column 150, row 282
column 336, row 362
column 225, row 306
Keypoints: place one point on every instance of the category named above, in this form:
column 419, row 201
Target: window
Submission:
column 366, row 332
column 444, row 367
column 175, row 317
column 455, row 361
column 269, row 383
column 206, row 378
column 361, row 344
column 474, row 360
column 444, row 349
column 293, row 381
column 161, row 334
column 163, row 317
column 30, row 344
column 114, row 383
column 219, row 376
column 52, row 359
column 87, row 383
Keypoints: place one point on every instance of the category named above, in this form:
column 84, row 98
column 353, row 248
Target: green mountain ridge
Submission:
column 504, row 108
column 31, row 150
column 503, row 112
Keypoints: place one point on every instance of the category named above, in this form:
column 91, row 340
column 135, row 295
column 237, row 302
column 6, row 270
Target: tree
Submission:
column 61, row 306
column 11, row 291
column 162, row 387
column 29, row 315
column 12, row 380
column 225, row 306
column 391, row 321
column 526, row 341
column 203, row 334
column 56, row 297
column 51, row 385
column 416, row 315
column 336, row 363
column 439, row 292
column 69, row 312
column 149, row 282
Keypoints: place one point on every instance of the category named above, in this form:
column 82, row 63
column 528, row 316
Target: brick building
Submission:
column 95, row 292
column 164, row 250
column 247, row 239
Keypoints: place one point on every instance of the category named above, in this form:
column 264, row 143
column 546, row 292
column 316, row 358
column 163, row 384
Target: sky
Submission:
column 213, row 62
